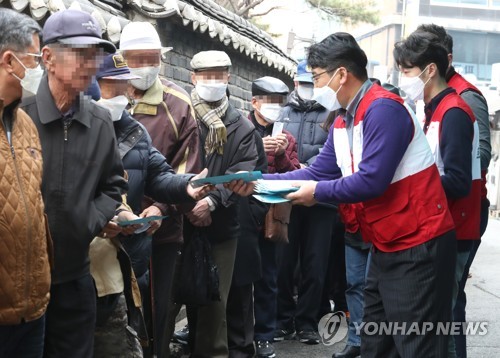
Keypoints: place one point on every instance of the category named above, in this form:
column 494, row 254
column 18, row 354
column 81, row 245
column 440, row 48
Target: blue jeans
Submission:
column 24, row 340
column 356, row 261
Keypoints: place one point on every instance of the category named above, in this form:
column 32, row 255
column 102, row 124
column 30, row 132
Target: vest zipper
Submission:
column 299, row 139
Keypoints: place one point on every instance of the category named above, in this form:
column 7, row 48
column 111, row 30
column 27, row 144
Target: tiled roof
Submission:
column 203, row 16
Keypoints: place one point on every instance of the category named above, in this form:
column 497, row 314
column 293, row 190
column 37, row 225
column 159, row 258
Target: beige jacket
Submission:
column 24, row 235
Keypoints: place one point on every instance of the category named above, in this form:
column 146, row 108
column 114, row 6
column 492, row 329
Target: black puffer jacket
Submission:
column 147, row 169
column 148, row 174
column 304, row 122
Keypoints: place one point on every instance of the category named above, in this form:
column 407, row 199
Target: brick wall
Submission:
column 186, row 43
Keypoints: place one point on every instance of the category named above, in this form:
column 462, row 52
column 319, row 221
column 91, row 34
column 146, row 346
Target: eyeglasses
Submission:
column 318, row 75
column 37, row 56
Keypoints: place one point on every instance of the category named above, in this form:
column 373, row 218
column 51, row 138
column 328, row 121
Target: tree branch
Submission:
column 233, row 5
column 265, row 12
column 250, row 5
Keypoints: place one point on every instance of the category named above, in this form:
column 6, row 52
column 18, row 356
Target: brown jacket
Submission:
column 167, row 113
column 25, row 240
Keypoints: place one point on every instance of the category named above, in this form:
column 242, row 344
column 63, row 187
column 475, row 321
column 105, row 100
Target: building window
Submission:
column 479, row 61
column 465, row 3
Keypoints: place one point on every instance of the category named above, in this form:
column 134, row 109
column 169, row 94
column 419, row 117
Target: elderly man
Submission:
column 82, row 178
column 228, row 147
column 165, row 110
column 148, row 173
column 25, row 277
column 268, row 97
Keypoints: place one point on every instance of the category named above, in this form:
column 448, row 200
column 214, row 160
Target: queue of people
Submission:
column 82, row 278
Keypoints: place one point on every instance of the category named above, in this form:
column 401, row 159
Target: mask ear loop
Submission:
column 425, row 69
column 333, row 76
column 22, row 64
column 337, row 91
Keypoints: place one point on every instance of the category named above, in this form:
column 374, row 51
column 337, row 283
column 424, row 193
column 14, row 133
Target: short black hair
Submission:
column 439, row 31
column 339, row 50
column 420, row 49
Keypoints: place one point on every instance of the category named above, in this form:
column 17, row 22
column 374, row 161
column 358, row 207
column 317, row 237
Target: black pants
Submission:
column 70, row 319
column 163, row 260
column 335, row 282
column 413, row 285
column 239, row 316
column 24, row 340
column 459, row 309
column 266, row 292
column 310, row 234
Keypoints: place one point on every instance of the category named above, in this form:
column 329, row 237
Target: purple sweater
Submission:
column 387, row 131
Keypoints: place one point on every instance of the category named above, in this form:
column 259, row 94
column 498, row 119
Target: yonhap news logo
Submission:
column 332, row 328
column 421, row 328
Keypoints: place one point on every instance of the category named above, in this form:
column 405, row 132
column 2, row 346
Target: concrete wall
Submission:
column 186, row 43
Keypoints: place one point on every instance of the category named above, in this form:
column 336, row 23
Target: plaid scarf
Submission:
column 210, row 114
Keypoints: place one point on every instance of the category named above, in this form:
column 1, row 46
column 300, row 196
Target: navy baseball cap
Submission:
column 75, row 28
column 114, row 67
column 304, row 73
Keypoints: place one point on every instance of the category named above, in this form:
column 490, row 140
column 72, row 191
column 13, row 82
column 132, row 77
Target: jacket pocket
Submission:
column 391, row 219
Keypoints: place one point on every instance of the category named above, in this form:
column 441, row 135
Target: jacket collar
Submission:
column 128, row 133
column 8, row 109
column 232, row 115
column 353, row 105
column 303, row 105
column 433, row 104
column 148, row 104
column 7, row 117
column 48, row 111
column 263, row 130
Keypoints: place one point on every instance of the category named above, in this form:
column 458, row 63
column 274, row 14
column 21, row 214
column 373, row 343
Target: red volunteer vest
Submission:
column 465, row 211
column 413, row 209
column 461, row 85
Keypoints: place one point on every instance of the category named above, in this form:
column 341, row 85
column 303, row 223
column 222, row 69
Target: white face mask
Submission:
column 270, row 112
column 148, row 76
column 305, row 92
column 31, row 79
column 413, row 86
column 115, row 105
column 211, row 91
column 327, row 97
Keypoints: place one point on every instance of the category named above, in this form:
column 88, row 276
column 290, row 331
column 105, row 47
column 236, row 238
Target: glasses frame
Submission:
column 318, row 75
column 37, row 56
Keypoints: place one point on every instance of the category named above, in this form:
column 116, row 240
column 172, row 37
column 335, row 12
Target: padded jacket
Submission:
column 303, row 119
column 148, row 174
column 24, row 237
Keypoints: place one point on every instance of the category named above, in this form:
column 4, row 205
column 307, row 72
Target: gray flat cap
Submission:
column 210, row 59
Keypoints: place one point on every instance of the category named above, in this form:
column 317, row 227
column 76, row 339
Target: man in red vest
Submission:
column 377, row 158
column 453, row 136
column 476, row 101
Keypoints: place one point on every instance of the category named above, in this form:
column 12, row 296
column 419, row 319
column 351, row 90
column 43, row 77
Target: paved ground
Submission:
column 483, row 293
